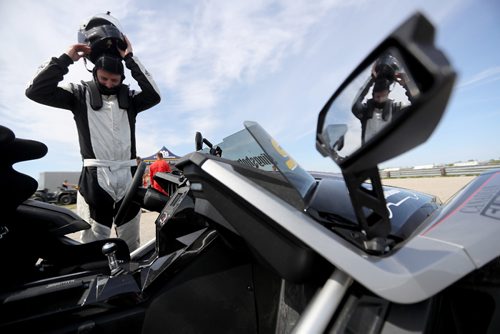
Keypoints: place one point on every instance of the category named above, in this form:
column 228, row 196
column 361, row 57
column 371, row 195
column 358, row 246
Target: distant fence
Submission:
column 438, row 171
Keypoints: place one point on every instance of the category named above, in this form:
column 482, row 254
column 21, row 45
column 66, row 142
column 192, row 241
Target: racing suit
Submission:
column 106, row 135
column 374, row 119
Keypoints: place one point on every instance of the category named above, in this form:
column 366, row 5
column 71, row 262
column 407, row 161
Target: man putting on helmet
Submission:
column 105, row 113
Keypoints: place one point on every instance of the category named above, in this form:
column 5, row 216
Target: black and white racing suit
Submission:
column 107, row 142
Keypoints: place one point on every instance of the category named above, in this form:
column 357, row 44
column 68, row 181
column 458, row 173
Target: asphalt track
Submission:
column 442, row 187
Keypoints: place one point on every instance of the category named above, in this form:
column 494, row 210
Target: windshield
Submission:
column 254, row 147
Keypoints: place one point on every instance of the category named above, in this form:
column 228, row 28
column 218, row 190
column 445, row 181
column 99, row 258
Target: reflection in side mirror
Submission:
column 334, row 136
column 389, row 104
column 375, row 98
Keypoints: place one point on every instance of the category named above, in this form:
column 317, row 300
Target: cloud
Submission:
column 484, row 77
column 206, row 49
column 214, row 44
column 216, row 62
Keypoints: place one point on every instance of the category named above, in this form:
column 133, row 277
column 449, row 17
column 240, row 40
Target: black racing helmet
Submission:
column 387, row 66
column 103, row 34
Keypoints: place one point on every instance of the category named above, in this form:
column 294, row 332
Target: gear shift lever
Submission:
column 109, row 249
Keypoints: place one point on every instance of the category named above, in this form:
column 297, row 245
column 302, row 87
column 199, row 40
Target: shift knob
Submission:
column 109, row 249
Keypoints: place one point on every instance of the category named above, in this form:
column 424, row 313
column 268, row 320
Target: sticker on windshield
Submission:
column 291, row 164
column 389, row 204
column 278, row 148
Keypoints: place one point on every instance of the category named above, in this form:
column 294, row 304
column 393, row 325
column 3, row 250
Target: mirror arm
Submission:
column 370, row 208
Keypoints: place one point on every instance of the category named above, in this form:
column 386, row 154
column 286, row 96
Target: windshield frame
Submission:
column 255, row 149
column 298, row 177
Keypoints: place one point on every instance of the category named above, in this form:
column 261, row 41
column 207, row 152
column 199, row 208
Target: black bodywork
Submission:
column 216, row 265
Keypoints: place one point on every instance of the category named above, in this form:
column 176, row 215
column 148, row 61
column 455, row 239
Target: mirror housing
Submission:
column 433, row 77
column 414, row 40
column 199, row 141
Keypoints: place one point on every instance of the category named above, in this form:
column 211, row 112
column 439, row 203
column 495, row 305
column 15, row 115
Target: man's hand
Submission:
column 77, row 51
column 128, row 50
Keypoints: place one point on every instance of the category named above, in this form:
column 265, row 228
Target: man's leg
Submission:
column 96, row 231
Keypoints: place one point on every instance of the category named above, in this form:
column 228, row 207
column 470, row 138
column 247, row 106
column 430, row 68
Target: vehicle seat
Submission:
column 28, row 232
column 15, row 189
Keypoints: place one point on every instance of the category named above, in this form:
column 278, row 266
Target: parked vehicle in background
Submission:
column 60, row 196
column 52, row 180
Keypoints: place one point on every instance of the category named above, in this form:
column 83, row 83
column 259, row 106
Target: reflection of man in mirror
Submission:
column 389, row 67
column 376, row 112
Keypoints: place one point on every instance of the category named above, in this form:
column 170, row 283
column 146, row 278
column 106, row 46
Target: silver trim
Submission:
column 144, row 248
column 324, row 304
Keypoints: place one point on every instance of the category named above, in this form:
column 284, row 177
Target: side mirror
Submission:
column 199, row 141
column 391, row 103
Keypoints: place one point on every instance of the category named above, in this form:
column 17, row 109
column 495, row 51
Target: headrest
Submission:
column 16, row 187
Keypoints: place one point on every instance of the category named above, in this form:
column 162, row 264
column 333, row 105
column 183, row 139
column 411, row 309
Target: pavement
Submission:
column 148, row 229
column 442, row 187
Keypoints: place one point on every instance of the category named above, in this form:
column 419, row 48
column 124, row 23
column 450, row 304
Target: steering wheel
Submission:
column 129, row 195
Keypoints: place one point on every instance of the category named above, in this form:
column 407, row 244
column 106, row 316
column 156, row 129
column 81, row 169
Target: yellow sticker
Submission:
column 291, row 164
column 278, row 148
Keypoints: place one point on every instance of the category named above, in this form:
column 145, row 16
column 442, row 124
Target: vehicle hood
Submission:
column 407, row 208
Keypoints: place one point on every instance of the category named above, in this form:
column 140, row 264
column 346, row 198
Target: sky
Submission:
column 220, row 63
